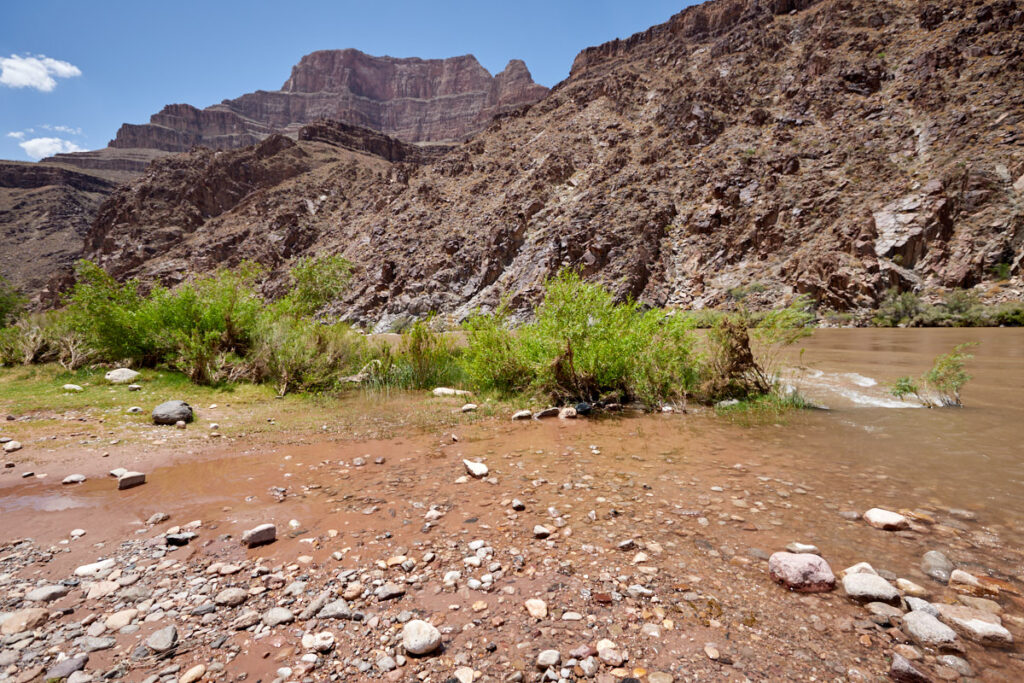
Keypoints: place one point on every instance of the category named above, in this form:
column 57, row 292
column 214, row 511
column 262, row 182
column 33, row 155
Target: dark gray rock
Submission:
column 62, row 670
column 170, row 412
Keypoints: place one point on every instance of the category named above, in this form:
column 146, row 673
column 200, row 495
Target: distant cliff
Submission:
column 413, row 100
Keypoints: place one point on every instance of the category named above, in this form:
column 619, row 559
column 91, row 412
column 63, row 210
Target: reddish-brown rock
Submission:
column 414, row 100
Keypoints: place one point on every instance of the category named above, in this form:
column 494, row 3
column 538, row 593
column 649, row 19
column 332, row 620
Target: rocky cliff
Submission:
column 414, row 100
column 744, row 148
column 45, row 213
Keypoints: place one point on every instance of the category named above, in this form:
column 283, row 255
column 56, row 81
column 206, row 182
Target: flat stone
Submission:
column 902, row 671
column 958, row 664
column 95, row 644
column 47, row 593
column 24, row 620
column 73, row 479
column 475, row 469
column 801, row 572
column 886, row 519
column 337, row 609
column 96, row 569
column 522, row 415
column 121, row 376
column 130, row 480
column 65, row 668
column 163, row 640
column 937, row 566
column 260, row 535
column 448, row 391
column 870, row 588
column 968, row 584
column 231, row 597
column 911, row 588
column 74, row 388
column 545, row 413
column 389, row 591
column 12, row 446
column 275, row 616
column 469, row 408
column 799, row 548
column 926, row 630
column 420, row 637
column 464, row 674
column 977, row 625
column 919, row 605
column 548, row 658
column 119, row 620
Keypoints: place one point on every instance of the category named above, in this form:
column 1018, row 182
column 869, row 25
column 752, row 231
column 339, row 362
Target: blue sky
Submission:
column 86, row 67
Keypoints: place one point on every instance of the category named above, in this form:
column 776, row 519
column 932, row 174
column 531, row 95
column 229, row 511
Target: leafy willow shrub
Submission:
column 425, row 358
column 898, row 308
column 316, row 281
column 946, row 379
column 739, row 369
column 300, row 354
column 583, row 345
column 11, row 303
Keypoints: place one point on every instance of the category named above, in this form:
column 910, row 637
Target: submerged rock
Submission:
column 937, row 566
column 864, row 587
column 886, row 519
column 926, row 630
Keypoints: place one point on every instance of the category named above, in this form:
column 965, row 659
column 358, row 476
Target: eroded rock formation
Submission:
column 414, row 100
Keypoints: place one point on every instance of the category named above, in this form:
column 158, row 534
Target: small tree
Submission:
column 946, row 378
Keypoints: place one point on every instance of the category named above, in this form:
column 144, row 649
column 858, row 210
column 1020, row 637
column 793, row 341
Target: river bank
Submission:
column 656, row 530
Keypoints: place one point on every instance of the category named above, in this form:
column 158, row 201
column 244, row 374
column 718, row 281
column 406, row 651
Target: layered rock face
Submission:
column 45, row 213
column 414, row 100
column 835, row 148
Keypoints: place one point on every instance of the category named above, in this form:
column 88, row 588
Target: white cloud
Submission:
column 37, row 148
column 65, row 129
column 38, row 72
column 17, row 134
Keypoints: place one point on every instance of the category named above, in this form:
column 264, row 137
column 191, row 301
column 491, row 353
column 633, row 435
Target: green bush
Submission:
column 299, row 354
column 425, row 359
column 11, row 303
column 584, row 346
column 898, row 308
column 316, row 281
column 946, row 379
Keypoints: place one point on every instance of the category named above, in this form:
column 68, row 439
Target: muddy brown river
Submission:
column 714, row 494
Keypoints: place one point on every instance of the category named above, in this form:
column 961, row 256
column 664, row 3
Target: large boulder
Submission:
column 172, row 412
column 121, row 376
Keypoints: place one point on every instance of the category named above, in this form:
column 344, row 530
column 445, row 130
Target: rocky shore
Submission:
column 554, row 551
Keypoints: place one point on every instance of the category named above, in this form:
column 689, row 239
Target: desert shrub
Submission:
column 946, row 379
column 425, row 359
column 299, row 354
column 11, row 303
column 948, row 376
column 316, row 281
column 191, row 328
column 898, row 308
column 583, row 345
column 738, row 369
column 1009, row 314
